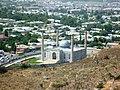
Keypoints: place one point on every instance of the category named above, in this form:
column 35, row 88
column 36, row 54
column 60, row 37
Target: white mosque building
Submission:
column 64, row 51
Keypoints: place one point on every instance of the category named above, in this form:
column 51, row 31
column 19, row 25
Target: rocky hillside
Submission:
column 100, row 71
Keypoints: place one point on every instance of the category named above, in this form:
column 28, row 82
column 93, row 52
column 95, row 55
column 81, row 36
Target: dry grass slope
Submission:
column 84, row 74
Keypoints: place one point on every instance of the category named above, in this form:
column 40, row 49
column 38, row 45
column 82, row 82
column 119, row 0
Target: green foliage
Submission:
column 116, row 27
column 24, row 66
column 46, row 37
column 68, row 37
column 21, row 53
column 66, row 29
column 19, row 39
column 100, row 43
column 98, row 17
column 88, row 28
column 6, row 12
column 96, row 34
column 100, row 85
column 97, row 42
column 33, row 38
column 1, row 28
column 61, row 10
column 103, row 33
column 92, row 44
column 114, row 19
column 3, row 69
column 3, row 45
column 108, row 27
column 115, row 38
column 69, row 21
column 13, row 47
column 32, row 61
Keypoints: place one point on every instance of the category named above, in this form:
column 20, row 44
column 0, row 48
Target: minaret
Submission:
column 72, row 46
column 42, row 47
column 80, row 37
column 85, row 41
column 57, row 38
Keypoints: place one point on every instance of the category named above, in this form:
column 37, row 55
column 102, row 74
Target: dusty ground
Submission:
column 84, row 74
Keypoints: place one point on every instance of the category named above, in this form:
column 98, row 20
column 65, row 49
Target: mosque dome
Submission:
column 64, row 44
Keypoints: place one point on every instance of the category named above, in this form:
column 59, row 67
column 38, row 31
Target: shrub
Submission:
column 117, row 78
column 3, row 69
column 56, row 84
column 100, row 85
column 25, row 66
column 110, row 75
column 106, row 57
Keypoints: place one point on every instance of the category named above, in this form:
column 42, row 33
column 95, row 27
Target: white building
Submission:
column 64, row 51
column 23, row 29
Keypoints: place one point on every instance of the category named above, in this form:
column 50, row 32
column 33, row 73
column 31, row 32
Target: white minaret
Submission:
column 85, row 41
column 57, row 39
column 42, row 47
column 72, row 46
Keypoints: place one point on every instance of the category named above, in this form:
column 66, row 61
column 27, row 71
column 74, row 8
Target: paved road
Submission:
column 9, row 60
column 19, row 60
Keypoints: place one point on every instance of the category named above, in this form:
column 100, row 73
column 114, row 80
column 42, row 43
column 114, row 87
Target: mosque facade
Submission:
column 65, row 51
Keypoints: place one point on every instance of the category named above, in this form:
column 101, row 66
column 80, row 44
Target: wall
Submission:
column 78, row 55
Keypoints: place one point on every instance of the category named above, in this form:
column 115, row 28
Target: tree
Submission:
column 96, row 34
column 1, row 28
column 69, row 21
column 116, row 27
column 98, row 17
column 6, row 33
column 3, row 69
column 88, row 28
column 103, row 33
column 13, row 47
column 34, row 40
column 108, row 27
column 100, row 43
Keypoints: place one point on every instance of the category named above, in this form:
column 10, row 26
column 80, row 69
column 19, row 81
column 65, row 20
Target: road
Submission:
column 19, row 60
column 9, row 60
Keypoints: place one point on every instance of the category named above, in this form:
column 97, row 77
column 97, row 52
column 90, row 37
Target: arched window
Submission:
column 53, row 55
column 69, row 56
column 64, row 56
column 44, row 54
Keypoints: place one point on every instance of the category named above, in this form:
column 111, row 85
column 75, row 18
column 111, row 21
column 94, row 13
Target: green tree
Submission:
column 108, row 28
column 3, row 69
column 13, row 47
column 1, row 28
column 6, row 33
column 103, row 33
column 96, row 34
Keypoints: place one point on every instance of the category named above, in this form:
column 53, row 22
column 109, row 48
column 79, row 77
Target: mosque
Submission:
column 65, row 51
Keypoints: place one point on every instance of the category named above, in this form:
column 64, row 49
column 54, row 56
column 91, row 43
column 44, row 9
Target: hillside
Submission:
column 84, row 74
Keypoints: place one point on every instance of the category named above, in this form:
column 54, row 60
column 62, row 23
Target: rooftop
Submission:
column 3, row 37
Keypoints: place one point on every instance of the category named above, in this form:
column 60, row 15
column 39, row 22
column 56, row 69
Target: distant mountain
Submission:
column 93, row 0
